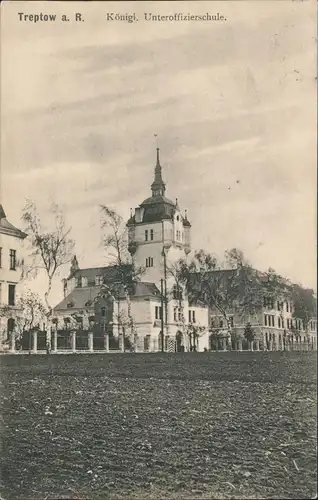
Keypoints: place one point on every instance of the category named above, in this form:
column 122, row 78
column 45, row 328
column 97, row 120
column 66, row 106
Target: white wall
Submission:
column 8, row 276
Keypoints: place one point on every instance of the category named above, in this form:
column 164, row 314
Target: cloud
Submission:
column 229, row 102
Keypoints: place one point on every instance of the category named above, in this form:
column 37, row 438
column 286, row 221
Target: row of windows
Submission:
column 269, row 320
column 269, row 303
column 149, row 235
column 177, row 315
column 11, row 294
column 220, row 322
column 312, row 326
column 12, row 259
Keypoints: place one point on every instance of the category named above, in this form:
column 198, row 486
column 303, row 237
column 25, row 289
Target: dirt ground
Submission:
column 170, row 426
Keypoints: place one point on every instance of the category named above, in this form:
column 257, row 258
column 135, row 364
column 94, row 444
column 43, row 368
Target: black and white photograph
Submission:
column 158, row 278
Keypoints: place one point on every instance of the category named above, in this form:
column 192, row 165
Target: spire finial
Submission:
column 176, row 202
column 158, row 150
column 158, row 186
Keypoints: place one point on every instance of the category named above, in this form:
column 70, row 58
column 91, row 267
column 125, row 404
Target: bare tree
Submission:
column 229, row 286
column 127, row 275
column 51, row 249
column 28, row 314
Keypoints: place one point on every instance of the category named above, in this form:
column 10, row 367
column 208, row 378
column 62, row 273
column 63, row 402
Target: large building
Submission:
column 11, row 247
column 158, row 236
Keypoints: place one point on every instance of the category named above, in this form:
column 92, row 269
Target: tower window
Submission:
column 177, row 293
column 149, row 262
column 13, row 260
column 146, row 235
column 151, row 234
column 177, row 217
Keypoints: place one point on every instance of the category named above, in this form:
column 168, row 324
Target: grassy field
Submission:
column 171, row 426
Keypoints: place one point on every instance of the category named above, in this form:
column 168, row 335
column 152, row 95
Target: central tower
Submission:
column 158, row 233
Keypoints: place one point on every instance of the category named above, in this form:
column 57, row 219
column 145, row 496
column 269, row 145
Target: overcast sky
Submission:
column 233, row 104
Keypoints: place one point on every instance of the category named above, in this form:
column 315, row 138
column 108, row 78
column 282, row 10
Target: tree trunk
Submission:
column 50, row 311
column 133, row 337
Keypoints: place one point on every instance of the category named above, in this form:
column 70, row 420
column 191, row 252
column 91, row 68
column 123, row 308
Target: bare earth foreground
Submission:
column 172, row 426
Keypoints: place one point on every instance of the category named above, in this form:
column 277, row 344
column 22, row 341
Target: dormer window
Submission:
column 99, row 280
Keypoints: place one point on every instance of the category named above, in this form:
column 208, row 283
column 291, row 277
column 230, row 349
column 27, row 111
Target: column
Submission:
column 55, row 340
column 270, row 345
column 73, row 341
column 154, row 343
column 137, row 343
column 256, row 345
column 251, row 346
column 90, row 342
column 239, row 345
column 12, row 342
column 35, row 341
column 106, row 342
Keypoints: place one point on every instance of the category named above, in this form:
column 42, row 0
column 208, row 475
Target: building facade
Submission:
column 158, row 315
column 158, row 236
column 11, row 258
column 274, row 326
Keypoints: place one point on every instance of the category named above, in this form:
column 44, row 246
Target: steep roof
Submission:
column 109, row 273
column 7, row 228
column 79, row 297
column 157, row 208
column 82, row 298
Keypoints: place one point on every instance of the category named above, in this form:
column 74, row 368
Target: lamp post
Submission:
column 106, row 336
column 161, row 315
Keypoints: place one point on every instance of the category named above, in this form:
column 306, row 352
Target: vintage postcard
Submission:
column 158, row 298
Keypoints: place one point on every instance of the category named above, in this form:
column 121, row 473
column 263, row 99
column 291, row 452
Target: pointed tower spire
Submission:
column 158, row 158
column 158, row 187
